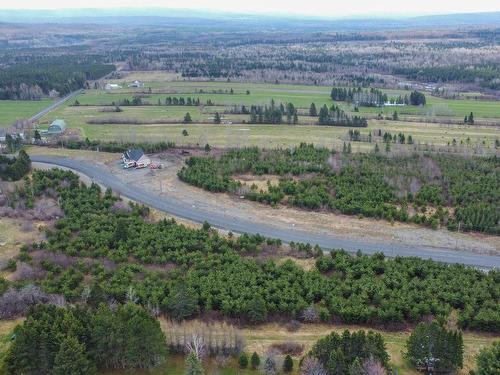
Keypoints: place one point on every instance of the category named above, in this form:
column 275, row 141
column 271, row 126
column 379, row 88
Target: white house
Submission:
column 135, row 158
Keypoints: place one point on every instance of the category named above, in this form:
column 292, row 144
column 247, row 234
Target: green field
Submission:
column 12, row 110
column 153, row 122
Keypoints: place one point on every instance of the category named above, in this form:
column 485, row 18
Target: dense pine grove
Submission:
column 186, row 272
column 80, row 340
column 365, row 184
column 14, row 168
column 335, row 116
column 367, row 98
column 64, row 74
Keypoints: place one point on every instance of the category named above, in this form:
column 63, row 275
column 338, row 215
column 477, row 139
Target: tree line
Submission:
column 335, row 116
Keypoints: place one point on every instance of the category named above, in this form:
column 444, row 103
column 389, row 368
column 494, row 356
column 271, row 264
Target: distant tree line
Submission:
column 366, row 98
column 29, row 81
column 335, row 116
column 113, row 146
column 273, row 114
column 487, row 74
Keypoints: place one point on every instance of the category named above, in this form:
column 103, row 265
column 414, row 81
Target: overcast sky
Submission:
column 329, row 8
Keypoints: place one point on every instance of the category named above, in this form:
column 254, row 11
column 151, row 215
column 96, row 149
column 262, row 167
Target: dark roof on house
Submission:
column 134, row 154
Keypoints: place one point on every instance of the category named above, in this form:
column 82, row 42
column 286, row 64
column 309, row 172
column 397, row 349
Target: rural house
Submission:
column 135, row 158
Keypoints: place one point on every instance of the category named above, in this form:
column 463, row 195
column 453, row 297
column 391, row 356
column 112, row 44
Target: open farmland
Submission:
column 13, row 110
column 95, row 118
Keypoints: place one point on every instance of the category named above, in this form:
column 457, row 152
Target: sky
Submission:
column 324, row 8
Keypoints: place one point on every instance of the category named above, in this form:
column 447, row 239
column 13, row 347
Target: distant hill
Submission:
column 206, row 19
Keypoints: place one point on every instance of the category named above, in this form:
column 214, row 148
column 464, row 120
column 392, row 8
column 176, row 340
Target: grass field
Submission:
column 275, row 136
column 12, row 110
column 163, row 122
column 300, row 96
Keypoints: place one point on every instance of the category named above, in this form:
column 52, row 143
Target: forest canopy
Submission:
column 187, row 272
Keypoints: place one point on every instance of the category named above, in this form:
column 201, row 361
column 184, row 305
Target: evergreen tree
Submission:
column 470, row 120
column 344, row 354
column 433, row 348
column 288, row 364
column 349, row 148
column 256, row 309
column 72, row 359
column 243, row 360
column 193, row 365
column 182, row 303
column 377, row 149
column 312, row 110
column 187, row 118
column 255, row 360
column 488, row 360
column 217, row 119
column 356, row 368
column 37, row 135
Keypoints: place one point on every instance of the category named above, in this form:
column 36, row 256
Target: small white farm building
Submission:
column 112, row 86
column 135, row 84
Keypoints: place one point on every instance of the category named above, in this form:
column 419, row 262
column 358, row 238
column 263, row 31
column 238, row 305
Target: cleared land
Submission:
column 13, row 110
column 429, row 126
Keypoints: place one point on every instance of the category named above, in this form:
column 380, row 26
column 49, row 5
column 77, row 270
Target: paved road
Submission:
column 54, row 105
column 240, row 225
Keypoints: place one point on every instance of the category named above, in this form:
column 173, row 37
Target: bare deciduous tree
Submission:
column 373, row 367
column 196, row 345
column 311, row 366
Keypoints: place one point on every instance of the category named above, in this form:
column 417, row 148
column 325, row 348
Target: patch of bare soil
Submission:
column 260, row 181
column 165, row 182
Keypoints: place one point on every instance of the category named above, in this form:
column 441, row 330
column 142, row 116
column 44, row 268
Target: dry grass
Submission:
column 260, row 181
column 101, row 157
column 260, row 338
column 13, row 234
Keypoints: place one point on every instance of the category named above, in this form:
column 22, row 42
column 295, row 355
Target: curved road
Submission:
column 239, row 225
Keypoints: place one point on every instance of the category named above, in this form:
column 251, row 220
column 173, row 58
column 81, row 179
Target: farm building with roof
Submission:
column 57, row 127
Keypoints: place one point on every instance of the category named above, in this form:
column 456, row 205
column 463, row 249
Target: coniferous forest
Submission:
column 201, row 272
column 462, row 191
